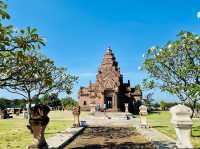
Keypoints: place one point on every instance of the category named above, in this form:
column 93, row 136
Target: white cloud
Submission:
column 198, row 15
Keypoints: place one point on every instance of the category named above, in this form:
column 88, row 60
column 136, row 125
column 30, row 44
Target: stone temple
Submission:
column 109, row 89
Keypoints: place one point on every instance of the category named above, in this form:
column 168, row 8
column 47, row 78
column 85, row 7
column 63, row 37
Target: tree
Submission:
column 8, row 103
column 148, row 101
column 40, row 76
column 68, row 103
column 166, row 105
column 13, row 43
column 175, row 68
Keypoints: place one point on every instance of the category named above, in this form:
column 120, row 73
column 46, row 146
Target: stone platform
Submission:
column 109, row 119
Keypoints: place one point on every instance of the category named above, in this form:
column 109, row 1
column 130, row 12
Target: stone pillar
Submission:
column 38, row 123
column 114, row 106
column 92, row 108
column 183, row 125
column 143, row 119
column 126, row 107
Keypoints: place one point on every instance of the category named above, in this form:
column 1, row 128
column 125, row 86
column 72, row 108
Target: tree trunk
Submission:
column 193, row 107
column 29, row 106
column 192, row 112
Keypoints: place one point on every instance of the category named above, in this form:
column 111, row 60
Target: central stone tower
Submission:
column 109, row 88
column 108, row 80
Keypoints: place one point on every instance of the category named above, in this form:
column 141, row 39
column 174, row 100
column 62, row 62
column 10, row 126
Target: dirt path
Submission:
column 110, row 138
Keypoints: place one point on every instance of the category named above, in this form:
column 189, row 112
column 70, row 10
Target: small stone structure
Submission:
column 126, row 107
column 183, row 125
column 38, row 123
column 4, row 114
column 76, row 113
column 25, row 114
column 92, row 108
column 143, row 119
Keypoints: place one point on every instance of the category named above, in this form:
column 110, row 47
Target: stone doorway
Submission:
column 108, row 99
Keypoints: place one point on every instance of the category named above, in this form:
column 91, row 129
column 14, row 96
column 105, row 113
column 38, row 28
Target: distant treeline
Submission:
column 57, row 103
column 15, row 103
column 163, row 105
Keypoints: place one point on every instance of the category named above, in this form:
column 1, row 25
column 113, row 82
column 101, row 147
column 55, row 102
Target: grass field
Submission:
column 14, row 134
column 162, row 123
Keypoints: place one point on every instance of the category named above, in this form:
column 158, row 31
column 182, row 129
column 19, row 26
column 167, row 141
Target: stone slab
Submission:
column 160, row 140
column 63, row 138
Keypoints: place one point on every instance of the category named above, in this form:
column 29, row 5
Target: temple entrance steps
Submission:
column 109, row 119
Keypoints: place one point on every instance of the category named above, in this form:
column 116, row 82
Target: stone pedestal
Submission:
column 92, row 108
column 183, row 125
column 38, row 123
column 38, row 127
column 143, row 119
column 126, row 107
column 25, row 114
column 76, row 113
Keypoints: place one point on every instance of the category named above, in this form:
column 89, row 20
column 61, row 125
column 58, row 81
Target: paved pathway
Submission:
column 110, row 138
column 160, row 140
column 99, row 119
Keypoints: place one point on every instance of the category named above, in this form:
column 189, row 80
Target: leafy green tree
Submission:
column 15, row 103
column 13, row 43
column 51, row 100
column 68, row 103
column 166, row 105
column 40, row 76
column 148, row 101
column 175, row 68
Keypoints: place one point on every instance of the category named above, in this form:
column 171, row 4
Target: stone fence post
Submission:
column 92, row 108
column 183, row 125
column 143, row 119
column 76, row 111
column 126, row 107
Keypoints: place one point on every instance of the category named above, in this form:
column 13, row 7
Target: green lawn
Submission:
column 14, row 134
column 162, row 123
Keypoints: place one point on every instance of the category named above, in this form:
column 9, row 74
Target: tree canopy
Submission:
column 13, row 43
column 23, row 69
column 175, row 68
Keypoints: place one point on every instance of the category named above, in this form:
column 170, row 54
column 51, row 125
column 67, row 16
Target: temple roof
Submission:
column 109, row 59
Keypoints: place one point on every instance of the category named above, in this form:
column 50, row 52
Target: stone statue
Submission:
column 38, row 123
column 76, row 113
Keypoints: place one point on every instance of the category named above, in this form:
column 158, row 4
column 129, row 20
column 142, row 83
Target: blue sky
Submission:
column 79, row 31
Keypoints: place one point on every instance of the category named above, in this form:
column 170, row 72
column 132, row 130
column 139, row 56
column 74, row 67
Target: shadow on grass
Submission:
column 196, row 131
column 49, row 133
column 159, row 126
column 154, row 112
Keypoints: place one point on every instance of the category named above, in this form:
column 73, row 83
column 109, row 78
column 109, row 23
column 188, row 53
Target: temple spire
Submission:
column 109, row 50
